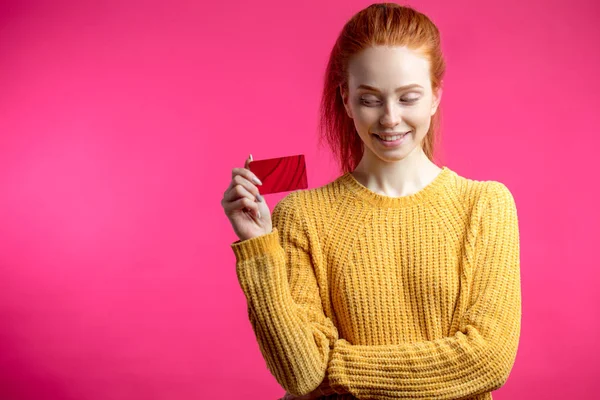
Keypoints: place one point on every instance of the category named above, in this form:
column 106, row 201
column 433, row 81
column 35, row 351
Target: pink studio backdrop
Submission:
column 121, row 121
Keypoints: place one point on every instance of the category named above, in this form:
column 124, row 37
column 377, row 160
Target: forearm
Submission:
column 451, row 368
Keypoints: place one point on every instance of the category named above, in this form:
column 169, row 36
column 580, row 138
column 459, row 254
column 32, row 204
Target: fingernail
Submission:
column 258, row 214
column 259, row 197
column 251, row 157
column 256, row 180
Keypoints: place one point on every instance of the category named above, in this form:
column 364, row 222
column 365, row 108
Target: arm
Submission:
column 479, row 356
column 277, row 275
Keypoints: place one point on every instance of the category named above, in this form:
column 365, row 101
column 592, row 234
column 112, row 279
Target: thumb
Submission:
column 248, row 161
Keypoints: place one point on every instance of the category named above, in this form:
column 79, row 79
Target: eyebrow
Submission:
column 412, row 85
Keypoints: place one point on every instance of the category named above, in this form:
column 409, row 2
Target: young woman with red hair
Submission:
column 400, row 279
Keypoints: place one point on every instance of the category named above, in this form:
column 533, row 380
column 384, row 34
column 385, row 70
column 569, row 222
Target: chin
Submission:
column 389, row 159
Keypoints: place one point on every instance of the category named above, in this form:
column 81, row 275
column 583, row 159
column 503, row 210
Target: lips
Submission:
column 387, row 134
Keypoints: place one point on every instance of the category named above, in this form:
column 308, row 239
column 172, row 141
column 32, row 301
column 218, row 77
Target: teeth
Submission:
column 390, row 138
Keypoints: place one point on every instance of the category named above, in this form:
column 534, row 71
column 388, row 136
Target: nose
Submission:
column 391, row 115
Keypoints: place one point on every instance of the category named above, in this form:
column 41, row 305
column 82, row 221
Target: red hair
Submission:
column 384, row 24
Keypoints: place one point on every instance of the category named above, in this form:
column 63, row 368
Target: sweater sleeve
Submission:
column 276, row 272
column 479, row 356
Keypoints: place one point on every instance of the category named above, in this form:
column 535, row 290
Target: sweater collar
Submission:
column 432, row 190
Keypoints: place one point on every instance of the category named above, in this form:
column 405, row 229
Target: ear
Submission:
column 345, row 100
column 437, row 98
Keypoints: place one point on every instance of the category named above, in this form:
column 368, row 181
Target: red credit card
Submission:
column 280, row 174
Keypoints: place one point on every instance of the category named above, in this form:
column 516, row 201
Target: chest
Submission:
column 393, row 283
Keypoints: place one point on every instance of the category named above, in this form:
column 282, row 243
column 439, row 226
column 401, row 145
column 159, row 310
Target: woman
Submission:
column 399, row 279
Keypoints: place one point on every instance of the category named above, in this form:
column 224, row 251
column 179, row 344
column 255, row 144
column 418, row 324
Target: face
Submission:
column 390, row 92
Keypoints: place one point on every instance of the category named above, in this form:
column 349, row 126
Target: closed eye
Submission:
column 375, row 103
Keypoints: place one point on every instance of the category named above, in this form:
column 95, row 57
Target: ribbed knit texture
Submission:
column 414, row 297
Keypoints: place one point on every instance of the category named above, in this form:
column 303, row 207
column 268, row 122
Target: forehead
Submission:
column 388, row 67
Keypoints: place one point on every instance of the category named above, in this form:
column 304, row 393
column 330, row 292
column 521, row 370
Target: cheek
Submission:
column 365, row 113
column 365, row 121
column 418, row 117
column 417, row 113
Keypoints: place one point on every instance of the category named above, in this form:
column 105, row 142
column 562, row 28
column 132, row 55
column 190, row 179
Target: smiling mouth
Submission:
column 392, row 138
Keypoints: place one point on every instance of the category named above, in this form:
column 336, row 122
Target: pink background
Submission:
column 119, row 127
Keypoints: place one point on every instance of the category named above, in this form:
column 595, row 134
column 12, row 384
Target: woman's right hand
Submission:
column 246, row 209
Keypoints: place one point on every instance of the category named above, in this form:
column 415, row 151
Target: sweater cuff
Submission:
column 256, row 247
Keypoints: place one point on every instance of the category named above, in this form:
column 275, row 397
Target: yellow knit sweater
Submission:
column 413, row 297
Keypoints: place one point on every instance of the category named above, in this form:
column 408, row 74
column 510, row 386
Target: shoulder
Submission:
column 484, row 201
column 497, row 207
column 296, row 205
column 315, row 200
column 309, row 209
column 482, row 192
column 497, row 194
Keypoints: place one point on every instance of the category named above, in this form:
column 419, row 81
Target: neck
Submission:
column 398, row 178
